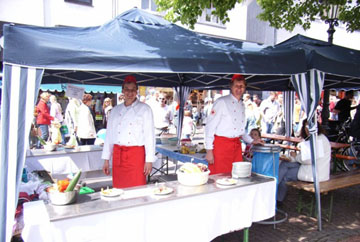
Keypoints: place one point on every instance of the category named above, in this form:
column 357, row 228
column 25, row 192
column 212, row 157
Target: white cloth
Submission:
column 206, row 215
column 323, row 157
column 86, row 129
column 130, row 126
column 162, row 116
column 72, row 114
column 188, row 126
column 227, row 119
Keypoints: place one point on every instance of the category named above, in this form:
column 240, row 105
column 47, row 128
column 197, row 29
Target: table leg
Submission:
column 246, row 235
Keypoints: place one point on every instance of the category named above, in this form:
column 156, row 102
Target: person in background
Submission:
column 86, row 129
column 107, row 106
column 299, row 165
column 98, row 106
column 43, row 118
column 207, row 108
column 72, row 116
column 56, row 112
column 252, row 116
column 120, row 98
column 256, row 135
column 343, row 107
column 162, row 116
column 130, row 139
column 269, row 109
column 188, row 125
column 256, row 100
column 224, row 128
column 142, row 99
column 298, row 114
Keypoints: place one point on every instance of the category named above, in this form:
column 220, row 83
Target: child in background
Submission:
column 256, row 135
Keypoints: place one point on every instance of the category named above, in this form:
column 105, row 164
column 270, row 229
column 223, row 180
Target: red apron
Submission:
column 128, row 166
column 226, row 151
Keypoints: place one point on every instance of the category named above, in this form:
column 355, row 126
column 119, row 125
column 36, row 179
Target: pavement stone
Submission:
column 344, row 226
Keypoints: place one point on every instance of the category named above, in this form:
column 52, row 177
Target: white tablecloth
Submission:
column 197, row 218
column 63, row 162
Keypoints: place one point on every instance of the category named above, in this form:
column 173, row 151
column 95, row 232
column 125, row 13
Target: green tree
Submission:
column 279, row 13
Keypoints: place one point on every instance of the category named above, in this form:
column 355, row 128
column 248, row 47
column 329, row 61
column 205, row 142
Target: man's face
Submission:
column 130, row 92
column 162, row 100
column 238, row 88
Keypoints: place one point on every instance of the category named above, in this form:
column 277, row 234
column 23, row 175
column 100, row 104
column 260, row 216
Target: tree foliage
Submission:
column 279, row 13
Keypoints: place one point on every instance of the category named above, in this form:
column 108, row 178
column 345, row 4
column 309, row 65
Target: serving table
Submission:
column 63, row 161
column 199, row 213
column 174, row 153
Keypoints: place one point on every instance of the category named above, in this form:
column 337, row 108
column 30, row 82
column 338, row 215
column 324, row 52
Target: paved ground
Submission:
column 345, row 224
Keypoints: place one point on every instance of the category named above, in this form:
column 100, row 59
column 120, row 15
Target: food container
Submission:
column 241, row 169
column 164, row 140
column 62, row 198
column 173, row 141
column 50, row 147
column 192, row 179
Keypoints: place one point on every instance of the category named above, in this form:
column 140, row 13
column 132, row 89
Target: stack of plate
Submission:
column 241, row 169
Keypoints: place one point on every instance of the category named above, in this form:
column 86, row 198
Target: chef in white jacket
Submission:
column 225, row 126
column 130, row 139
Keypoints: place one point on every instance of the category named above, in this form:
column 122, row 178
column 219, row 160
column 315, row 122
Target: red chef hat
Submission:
column 130, row 79
column 237, row 77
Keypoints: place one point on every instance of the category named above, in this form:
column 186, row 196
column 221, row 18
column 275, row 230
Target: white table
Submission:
column 198, row 213
column 65, row 161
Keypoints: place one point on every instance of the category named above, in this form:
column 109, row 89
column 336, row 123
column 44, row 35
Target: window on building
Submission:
column 148, row 5
column 208, row 18
column 82, row 2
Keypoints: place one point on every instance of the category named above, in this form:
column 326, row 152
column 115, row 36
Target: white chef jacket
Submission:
column 227, row 118
column 130, row 126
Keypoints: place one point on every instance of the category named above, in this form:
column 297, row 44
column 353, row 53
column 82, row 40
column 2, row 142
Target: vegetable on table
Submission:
column 73, row 182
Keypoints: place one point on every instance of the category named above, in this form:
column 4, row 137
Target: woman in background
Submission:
column 86, row 130
column 107, row 106
column 299, row 165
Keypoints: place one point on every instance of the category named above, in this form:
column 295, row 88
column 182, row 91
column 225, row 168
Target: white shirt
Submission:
column 130, row 126
column 322, row 161
column 227, row 118
column 162, row 116
column 55, row 111
column 86, row 128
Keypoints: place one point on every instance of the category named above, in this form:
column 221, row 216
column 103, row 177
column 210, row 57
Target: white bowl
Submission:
column 192, row 179
column 164, row 140
column 50, row 147
column 62, row 198
column 173, row 141
column 241, row 169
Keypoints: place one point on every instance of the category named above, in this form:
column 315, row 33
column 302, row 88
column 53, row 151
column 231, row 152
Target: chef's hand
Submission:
column 147, row 168
column 209, row 156
column 106, row 168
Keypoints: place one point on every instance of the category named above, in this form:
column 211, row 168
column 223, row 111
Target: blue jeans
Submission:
column 44, row 134
column 287, row 172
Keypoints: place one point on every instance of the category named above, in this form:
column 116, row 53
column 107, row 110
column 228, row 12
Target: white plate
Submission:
column 163, row 190
column 226, row 181
column 113, row 192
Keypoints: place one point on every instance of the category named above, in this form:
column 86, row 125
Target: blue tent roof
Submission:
column 158, row 52
column 341, row 64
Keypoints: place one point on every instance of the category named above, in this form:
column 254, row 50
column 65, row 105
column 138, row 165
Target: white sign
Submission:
column 75, row 91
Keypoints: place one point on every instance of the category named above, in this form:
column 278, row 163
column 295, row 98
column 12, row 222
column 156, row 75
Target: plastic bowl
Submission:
column 62, row 198
column 50, row 147
column 173, row 141
column 192, row 179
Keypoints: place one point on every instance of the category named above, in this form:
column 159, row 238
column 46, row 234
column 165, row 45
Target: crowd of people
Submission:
column 229, row 120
